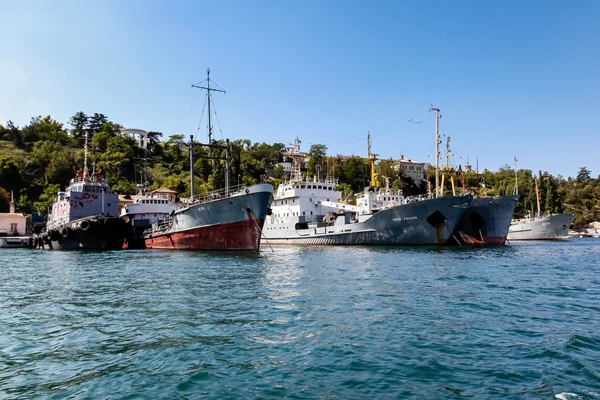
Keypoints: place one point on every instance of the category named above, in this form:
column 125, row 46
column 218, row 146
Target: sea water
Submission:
column 519, row 321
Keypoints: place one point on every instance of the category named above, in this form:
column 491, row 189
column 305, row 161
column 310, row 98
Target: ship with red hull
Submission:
column 217, row 222
column 230, row 219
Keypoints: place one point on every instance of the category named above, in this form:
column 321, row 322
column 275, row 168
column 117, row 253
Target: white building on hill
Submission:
column 416, row 170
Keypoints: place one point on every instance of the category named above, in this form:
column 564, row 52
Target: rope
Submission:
column 218, row 122
column 457, row 241
column 201, row 116
column 260, row 230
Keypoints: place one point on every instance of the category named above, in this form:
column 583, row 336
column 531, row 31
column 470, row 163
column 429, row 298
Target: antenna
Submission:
column 85, row 156
column 448, row 153
column 372, row 158
column 208, row 90
column 438, row 141
column 516, row 191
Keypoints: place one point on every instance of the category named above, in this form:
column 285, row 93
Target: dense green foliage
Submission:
column 41, row 157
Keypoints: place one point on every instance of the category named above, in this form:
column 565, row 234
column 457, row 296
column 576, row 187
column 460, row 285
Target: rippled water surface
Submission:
column 522, row 321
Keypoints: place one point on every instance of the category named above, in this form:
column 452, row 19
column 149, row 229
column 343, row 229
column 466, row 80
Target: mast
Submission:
column 516, row 191
column 208, row 90
column 372, row 159
column 192, row 167
column 447, row 170
column 295, row 154
column 227, row 167
column 537, row 195
column 209, row 123
column 86, row 172
column 448, row 154
column 438, row 141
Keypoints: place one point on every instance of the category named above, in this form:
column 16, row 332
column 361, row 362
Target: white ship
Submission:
column 540, row 227
column 147, row 207
column 312, row 211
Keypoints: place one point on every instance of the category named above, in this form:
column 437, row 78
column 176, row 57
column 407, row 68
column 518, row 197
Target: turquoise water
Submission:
column 521, row 321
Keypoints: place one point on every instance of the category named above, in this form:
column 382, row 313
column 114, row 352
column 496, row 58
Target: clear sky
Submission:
column 512, row 78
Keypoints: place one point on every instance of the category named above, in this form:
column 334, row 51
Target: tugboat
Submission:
column 85, row 215
column 221, row 220
column 311, row 211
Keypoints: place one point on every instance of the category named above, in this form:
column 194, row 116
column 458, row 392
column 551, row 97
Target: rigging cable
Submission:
column 201, row 116
column 218, row 122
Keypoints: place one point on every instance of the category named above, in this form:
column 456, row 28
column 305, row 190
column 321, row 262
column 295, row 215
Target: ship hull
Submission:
column 552, row 227
column 427, row 222
column 233, row 223
column 135, row 237
column 486, row 221
column 93, row 233
column 236, row 236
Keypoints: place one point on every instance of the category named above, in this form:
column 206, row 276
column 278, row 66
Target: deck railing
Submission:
column 211, row 196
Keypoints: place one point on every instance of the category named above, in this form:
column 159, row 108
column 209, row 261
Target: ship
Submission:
column 540, row 227
column 312, row 211
column 216, row 221
column 84, row 216
column 228, row 219
column 486, row 221
column 147, row 207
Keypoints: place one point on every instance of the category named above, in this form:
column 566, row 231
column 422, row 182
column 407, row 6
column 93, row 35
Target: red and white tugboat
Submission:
column 85, row 216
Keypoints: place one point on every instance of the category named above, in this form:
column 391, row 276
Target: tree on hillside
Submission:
column 583, row 176
column 12, row 133
column 552, row 200
column 51, row 130
column 29, row 133
column 315, row 156
column 95, row 123
column 10, row 175
column 46, row 199
column 355, row 173
column 4, row 200
column 79, row 122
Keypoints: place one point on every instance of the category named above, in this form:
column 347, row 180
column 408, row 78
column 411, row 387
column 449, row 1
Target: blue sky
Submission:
column 512, row 78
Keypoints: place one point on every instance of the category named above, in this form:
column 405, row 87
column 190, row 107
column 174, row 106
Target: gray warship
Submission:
column 541, row 227
column 311, row 211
